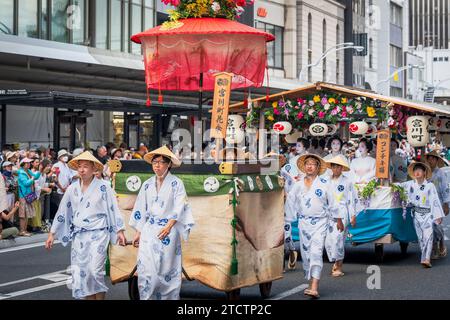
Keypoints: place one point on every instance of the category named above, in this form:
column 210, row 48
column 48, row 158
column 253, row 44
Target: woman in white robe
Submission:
column 161, row 216
column 363, row 168
column 89, row 216
column 343, row 198
column 426, row 207
column 311, row 202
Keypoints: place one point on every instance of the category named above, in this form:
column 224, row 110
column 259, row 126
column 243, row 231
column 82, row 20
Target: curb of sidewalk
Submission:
column 20, row 241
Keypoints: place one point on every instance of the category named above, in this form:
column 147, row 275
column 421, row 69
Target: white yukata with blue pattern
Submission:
column 159, row 261
column 439, row 179
column 91, row 221
column 312, row 209
column 426, row 209
column 343, row 197
column 289, row 171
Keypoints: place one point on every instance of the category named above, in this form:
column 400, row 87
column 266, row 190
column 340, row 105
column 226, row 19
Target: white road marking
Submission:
column 289, row 292
column 42, row 276
column 31, row 290
column 56, row 277
column 26, row 246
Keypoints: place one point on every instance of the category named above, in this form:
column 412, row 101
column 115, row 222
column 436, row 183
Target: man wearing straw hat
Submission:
column 161, row 217
column 427, row 210
column 343, row 197
column 311, row 202
column 439, row 180
column 88, row 216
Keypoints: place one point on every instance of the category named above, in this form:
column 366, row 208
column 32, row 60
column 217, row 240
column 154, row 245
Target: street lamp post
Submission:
column 338, row 47
column 409, row 66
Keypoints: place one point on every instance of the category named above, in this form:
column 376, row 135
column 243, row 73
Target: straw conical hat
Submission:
column 340, row 160
column 163, row 151
column 441, row 162
column 73, row 164
column 301, row 162
column 428, row 173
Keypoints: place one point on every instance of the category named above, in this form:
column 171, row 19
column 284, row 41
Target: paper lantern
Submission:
column 372, row 131
column 318, row 129
column 358, row 127
column 417, row 131
column 292, row 138
column 282, row 127
column 235, row 129
column 332, row 128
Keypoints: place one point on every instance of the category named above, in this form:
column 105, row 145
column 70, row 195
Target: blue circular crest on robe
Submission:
column 287, row 227
column 69, row 204
column 103, row 188
column 61, row 219
column 166, row 241
column 174, row 183
column 340, row 188
column 436, row 203
column 137, row 215
column 319, row 193
column 417, row 197
column 82, row 274
column 152, row 220
column 65, row 239
column 288, row 239
column 287, row 167
column 411, row 190
column 146, row 186
column 323, row 180
column 422, row 187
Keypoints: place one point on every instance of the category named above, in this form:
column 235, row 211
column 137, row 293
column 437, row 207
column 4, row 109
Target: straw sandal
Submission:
column 25, row 234
column 311, row 293
column 443, row 252
column 292, row 263
column 426, row 264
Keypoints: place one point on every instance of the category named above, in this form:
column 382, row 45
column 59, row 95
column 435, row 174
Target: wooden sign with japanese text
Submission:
column 219, row 118
column 383, row 150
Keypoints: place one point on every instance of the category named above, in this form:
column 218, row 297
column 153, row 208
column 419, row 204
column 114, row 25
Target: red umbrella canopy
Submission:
column 176, row 54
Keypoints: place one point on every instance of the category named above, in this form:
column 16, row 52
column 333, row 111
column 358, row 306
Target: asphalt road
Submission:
column 30, row 272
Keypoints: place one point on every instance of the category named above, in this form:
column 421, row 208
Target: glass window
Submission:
column 116, row 28
column 101, row 24
column 126, row 33
column 270, row 46
column 396, row 14
column 136, row 23
column 274, row 48
column 60, row 32
column 396, row 56
column 279, row 47
column 148, row 22
column 7, row 16
column 28, row 13
column 44, row 20
column 77, row 20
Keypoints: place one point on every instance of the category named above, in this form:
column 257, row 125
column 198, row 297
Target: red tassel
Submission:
column 160, row 99
column 148, row 103
column 245, row 102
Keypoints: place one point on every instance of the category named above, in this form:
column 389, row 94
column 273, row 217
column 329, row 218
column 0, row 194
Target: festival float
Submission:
column 237, row 240
column 323, row 110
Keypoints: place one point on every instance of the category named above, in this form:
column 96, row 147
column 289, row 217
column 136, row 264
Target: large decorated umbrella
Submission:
column 185, row 53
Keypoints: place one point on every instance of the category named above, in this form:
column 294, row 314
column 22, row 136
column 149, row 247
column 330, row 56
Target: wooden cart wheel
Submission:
column 234, row 294
column 404, row 248
column 379, row 252
column 133, row 290
column 264, row 289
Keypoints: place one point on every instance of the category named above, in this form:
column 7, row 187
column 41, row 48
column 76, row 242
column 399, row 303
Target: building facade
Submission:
column 320, row 27
column 429, row 23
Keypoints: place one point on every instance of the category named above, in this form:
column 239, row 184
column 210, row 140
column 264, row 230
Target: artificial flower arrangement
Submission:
column 325, row 107
column 398, row 194
column 230, row 9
